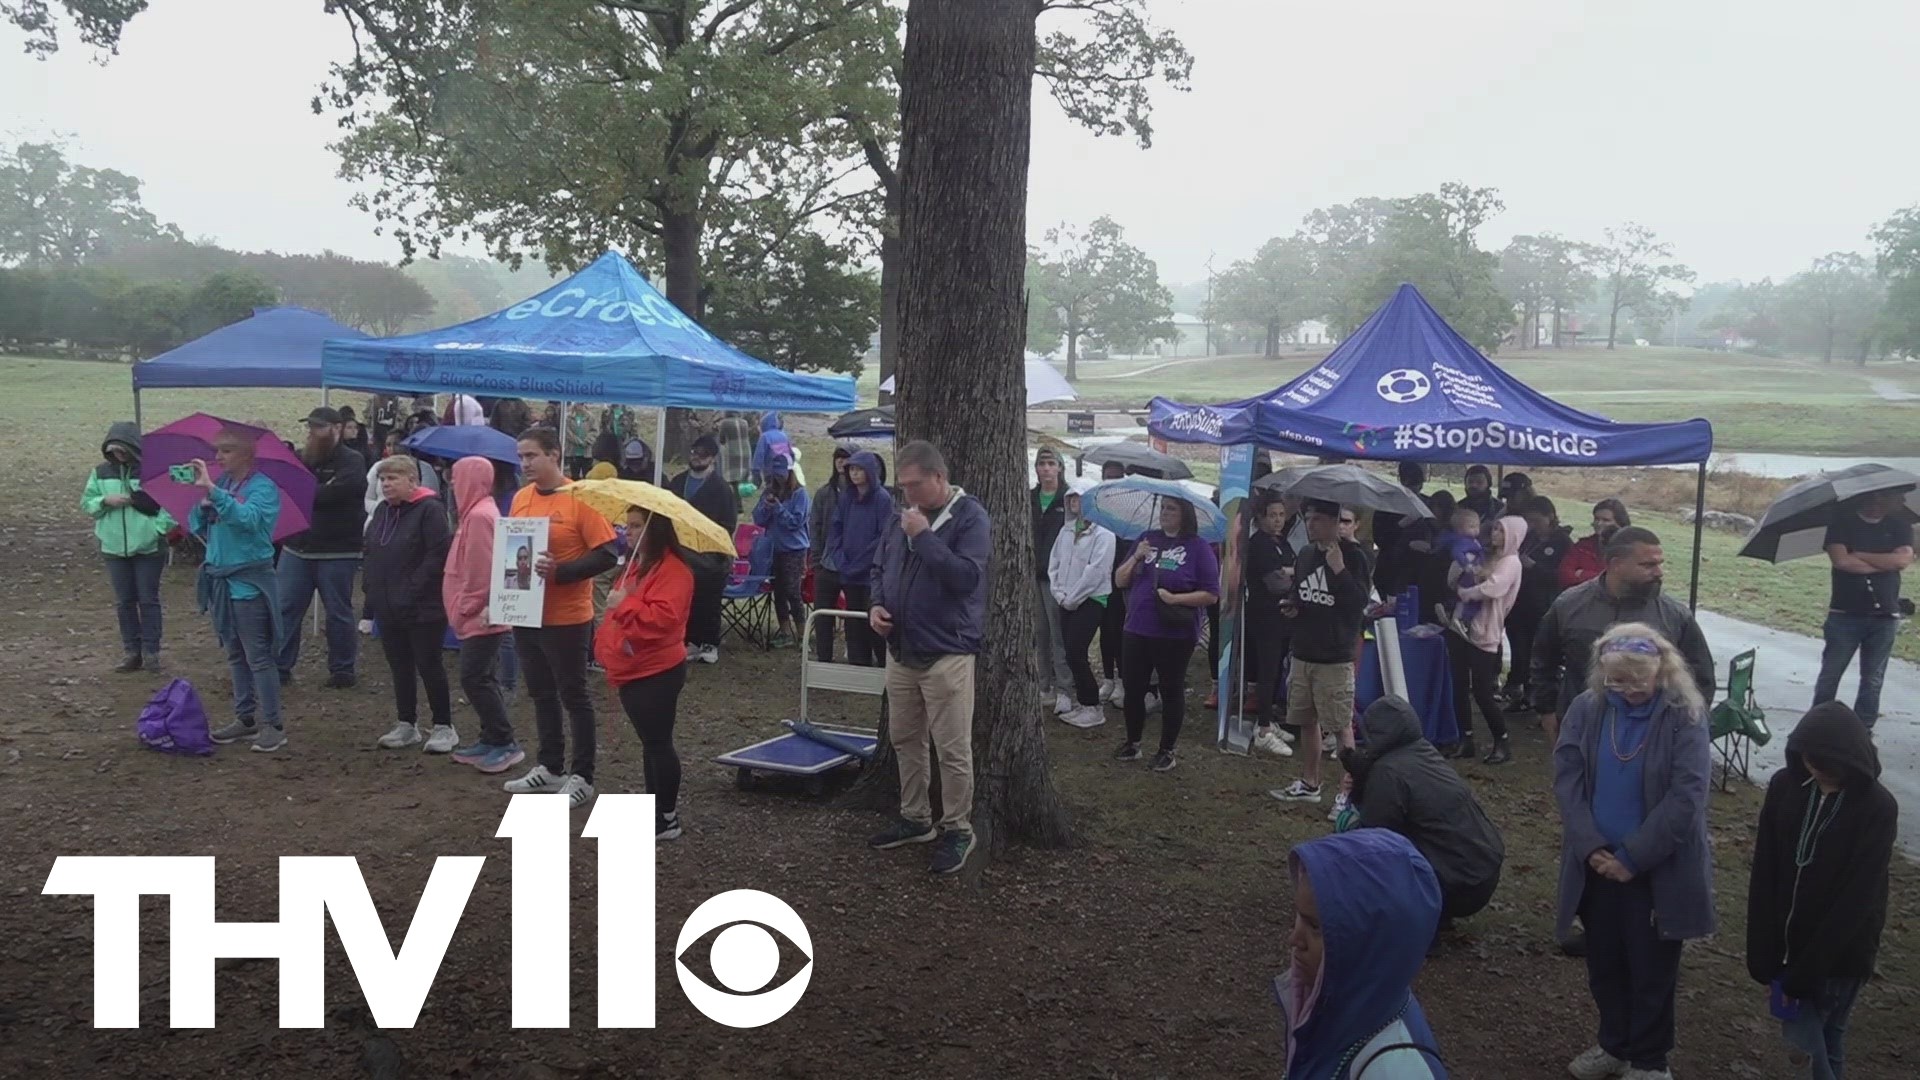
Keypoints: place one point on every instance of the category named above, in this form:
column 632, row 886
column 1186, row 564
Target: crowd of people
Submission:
column 1619, row 675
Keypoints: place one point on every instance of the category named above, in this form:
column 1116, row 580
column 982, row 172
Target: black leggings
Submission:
column 1144, row 658
column 1522, row 625
column 864, row 647
column 554, row 661
column 651, row 704
column 826, row 595
column 1113, row 631
column 1476, row 681
column 1271, row 672
column 789, row 573
column 1077, row 628
column 411, row 651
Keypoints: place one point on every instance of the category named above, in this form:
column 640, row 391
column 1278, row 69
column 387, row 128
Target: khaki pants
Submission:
column 933, row 706
column 1320, row 695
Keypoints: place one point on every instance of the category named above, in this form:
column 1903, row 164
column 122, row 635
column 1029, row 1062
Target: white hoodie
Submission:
column 1081, row 565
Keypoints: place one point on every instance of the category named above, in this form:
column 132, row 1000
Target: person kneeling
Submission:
column 405, row 562
column 641, row 644
column 1400, row 782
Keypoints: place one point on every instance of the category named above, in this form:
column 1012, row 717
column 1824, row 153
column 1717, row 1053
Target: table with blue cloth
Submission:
column 1429, row 683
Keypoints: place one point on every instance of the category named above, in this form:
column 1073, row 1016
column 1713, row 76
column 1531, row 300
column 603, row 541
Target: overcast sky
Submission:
column 1754, row 134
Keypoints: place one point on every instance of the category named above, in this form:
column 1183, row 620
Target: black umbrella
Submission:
column 1348, row 485
column 1135, row 455
column 1795, row 526
column 864, row 424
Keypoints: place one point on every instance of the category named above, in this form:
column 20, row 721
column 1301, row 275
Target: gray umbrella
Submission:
column 1348, row 485
column 1795, row 526
column 1139, row 456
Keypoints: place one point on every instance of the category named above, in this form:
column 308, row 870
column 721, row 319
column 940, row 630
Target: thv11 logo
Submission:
column 745, row 956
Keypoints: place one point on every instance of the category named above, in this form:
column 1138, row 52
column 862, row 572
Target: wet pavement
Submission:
column 1784, row 672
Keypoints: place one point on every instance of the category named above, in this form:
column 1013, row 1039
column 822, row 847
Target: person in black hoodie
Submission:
column 1546, row 544
column 1817, row 897
column 1270, row 559
column 1401, row 782
column 327, row 555
column 702, row 486
column 1327, row 605
column 406, row 556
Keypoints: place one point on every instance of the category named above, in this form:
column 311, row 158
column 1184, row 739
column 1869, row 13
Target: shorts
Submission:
column 1320, row 695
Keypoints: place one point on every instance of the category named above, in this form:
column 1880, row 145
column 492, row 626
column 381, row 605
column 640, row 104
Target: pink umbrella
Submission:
column 192, row 437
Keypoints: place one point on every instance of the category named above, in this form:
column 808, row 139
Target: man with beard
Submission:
column 1627, row 591
column 327, row 556
column 702, row 486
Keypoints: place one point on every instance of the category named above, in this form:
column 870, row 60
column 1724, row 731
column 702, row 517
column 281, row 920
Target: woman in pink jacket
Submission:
column 466, row 589
column 1476, row 656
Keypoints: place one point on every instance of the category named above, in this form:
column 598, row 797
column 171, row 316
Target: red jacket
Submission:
column 1583, row 563
column 646, row 633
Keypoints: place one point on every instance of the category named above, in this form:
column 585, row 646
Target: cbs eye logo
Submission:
column 744, row 957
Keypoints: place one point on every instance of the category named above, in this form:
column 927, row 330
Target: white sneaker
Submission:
column 1153, row 702
column 1062, row 704
column 401, row 737
column 1329, row 745
column 578, row 792
column 443, row 739
column 537, row 781
column 1298, row 791
column 1108, row 688
column 1118, row 698
column 1270, row 742
column 708, row 654
column 1085, row 716
column 1596, row 1064
column 1340, row 803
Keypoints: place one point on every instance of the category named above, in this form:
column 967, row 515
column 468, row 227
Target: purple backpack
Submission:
column 175, row 721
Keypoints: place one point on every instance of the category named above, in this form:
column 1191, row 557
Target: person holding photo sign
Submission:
column 553, row 655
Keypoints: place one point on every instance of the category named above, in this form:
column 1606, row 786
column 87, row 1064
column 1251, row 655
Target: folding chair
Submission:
column 746, row 607
column 1738, row 723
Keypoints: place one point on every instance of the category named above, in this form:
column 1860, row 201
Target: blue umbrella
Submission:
column 455, row 441
column 1130, row 506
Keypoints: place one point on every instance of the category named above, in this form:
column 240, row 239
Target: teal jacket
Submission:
column 239, row 529
column 141, row 526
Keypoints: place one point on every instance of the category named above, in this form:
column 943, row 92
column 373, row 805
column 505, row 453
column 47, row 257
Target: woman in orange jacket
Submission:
column 642, row 645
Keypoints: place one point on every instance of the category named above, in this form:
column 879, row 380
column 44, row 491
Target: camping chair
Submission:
column 746, row 607
column 1738, row 723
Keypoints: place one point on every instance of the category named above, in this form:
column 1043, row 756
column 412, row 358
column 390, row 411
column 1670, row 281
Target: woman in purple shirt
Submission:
column 1171, row 578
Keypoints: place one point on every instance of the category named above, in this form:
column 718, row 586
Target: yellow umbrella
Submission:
column 695, row 530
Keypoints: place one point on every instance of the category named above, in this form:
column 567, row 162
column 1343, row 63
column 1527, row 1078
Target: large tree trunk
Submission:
column 1613, row 317
column 966, row 115
column 1073, row 353
column 680, row 236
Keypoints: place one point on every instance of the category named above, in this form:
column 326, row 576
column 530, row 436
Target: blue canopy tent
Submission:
column 1406, row 387
column 602, row 335
column 275, row 346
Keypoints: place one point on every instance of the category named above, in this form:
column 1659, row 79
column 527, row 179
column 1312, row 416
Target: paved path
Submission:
column 1784, row 672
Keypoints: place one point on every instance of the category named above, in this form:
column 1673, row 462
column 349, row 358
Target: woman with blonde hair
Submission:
column 1630, row 775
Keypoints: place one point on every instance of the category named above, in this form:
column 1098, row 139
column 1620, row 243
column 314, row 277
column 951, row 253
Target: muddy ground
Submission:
column 1144, row 952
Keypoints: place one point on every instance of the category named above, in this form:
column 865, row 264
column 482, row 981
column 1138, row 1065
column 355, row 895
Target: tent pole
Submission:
column 566, row 421
column 659, row 443
column 136, row 407
column 1699, row 529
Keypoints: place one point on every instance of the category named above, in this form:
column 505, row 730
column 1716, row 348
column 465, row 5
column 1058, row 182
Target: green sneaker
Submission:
column 950, row 854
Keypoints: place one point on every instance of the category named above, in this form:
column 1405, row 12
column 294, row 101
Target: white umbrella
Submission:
column 1044, row 383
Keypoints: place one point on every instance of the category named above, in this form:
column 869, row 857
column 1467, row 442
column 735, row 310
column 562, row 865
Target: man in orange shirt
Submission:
column 554, row 654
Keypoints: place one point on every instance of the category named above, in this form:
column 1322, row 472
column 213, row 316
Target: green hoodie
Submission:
column 139, row 528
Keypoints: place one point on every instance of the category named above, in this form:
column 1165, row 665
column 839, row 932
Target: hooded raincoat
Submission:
column 1821, row 920
column 466, row 587
column 1379, row 907
column 141, row 526
column 854, row 535
column 1401, row 783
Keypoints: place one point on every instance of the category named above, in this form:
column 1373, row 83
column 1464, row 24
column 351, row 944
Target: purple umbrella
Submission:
column 184, row 440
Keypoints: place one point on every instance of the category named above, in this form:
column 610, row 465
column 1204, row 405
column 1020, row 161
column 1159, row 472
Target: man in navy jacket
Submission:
column 929, row 604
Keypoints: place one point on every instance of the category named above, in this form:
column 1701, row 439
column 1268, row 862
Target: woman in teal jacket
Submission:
column 132, row 530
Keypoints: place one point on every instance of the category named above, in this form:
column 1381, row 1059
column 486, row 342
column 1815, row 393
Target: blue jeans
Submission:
column 136, row 600
column 297, row 578
column 1821, row 1025
column 1872, row 637
column 256, row 682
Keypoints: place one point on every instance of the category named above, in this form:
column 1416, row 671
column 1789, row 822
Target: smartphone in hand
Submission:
column 181, row 474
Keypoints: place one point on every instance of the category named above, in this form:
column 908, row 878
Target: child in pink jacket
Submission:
column 466, row 590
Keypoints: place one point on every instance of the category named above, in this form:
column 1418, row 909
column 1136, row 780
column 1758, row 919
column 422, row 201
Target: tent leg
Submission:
column 136, row 408
column 659, row 443
column 566, row 421
column 1699, row 530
